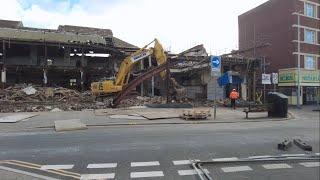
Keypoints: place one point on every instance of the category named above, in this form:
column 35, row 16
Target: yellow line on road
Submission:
column 37, row 167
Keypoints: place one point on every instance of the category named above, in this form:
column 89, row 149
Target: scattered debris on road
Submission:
column 285, row 144
column 302, row 144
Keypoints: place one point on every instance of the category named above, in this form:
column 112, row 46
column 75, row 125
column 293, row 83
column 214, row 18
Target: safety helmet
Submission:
column 233, row 89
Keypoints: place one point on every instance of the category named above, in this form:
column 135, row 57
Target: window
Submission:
column 309, row 36
column 310, row 62
column 310, row 10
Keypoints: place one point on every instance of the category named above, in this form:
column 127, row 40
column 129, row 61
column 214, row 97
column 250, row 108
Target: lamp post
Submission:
column 298, row 81
column 299, row 61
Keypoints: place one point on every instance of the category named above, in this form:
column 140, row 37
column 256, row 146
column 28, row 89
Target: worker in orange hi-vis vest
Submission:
column 234, row 95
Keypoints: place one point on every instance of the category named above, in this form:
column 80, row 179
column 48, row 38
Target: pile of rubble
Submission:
column 31, row 98
column 31, row 93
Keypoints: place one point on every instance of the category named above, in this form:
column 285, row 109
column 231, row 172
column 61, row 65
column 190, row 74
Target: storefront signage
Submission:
column 266, row 78
column 275, row 79
column 306, row 76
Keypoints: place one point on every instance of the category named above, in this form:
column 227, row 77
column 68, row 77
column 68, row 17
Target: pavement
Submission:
column 128, row 116
column 162, row 151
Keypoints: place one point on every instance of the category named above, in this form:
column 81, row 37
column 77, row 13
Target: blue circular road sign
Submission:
column 215, row 61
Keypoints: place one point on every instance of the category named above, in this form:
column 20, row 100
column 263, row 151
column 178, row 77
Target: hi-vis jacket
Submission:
column 234, row 95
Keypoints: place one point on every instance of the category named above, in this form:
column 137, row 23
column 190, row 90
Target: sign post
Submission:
column 215, row 63
column 274, row 80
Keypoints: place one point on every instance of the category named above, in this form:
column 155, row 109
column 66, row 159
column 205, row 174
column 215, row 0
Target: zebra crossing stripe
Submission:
column 236, row 169
column 97, row 176
column 146, row 174
column 102, row 165
column 310, row 164
column 189, row 172
column 150, row 163
column 182, row 162
column 57, row 167
column 276, row 166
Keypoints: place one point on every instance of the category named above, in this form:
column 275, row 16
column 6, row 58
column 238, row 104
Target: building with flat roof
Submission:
column 278, row 23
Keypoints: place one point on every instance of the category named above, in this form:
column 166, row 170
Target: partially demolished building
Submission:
column 68, row 56
column 74, row 56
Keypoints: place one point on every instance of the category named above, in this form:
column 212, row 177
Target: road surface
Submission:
column 163, row 151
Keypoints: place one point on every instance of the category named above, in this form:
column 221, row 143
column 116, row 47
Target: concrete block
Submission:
column 302, row 144
column 285, row 144
column 69, row 125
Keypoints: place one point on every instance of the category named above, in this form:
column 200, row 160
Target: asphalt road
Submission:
column 129, row 152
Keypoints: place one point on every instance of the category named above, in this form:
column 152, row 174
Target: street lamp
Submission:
column 299, row 69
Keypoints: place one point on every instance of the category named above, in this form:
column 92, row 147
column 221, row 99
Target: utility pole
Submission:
column 141, row 85
column 264, row 86
column 299, row 88
column 254, row 56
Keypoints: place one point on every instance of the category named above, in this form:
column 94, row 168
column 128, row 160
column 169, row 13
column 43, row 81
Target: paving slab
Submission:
column 69, row 125
column 124, row 116
column 116, row 117
column 16, row 117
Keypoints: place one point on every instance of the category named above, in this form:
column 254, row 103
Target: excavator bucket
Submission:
column 160, row 55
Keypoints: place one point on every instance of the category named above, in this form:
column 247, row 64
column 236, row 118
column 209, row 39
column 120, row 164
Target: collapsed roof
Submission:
column 14, row 30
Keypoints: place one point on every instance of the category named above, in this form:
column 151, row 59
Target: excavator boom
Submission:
column 109, row 86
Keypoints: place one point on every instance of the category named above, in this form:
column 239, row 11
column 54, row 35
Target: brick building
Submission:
column 278, row 22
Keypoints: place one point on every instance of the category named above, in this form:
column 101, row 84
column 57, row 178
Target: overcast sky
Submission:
column 178, row 24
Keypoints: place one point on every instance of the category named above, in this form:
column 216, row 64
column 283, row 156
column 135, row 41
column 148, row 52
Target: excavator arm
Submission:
column 122, row 77
column 126, row 65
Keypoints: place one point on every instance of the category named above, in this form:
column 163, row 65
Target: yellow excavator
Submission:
column 109, row 87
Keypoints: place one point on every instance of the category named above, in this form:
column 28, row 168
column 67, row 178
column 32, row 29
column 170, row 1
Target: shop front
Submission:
column 309, row 82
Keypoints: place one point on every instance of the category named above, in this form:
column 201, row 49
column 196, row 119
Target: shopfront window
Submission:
column 311, row 95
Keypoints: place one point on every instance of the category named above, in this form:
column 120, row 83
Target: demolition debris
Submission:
column 31, row 98
column 34, row 98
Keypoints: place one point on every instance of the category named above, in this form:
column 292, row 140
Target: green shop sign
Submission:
column 291, row 76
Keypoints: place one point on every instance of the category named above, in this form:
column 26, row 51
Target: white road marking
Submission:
column 310, row 164
column 317, row 154
column 236, row 169
column 189, row 172
column 182, row 162
column 291, row 155
column 55, row 167
column 265, row 156
column 146, row 174
column 102, row 165
column 225, row 159
column 276, row 166
column 150, row 163
column 97, row 176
